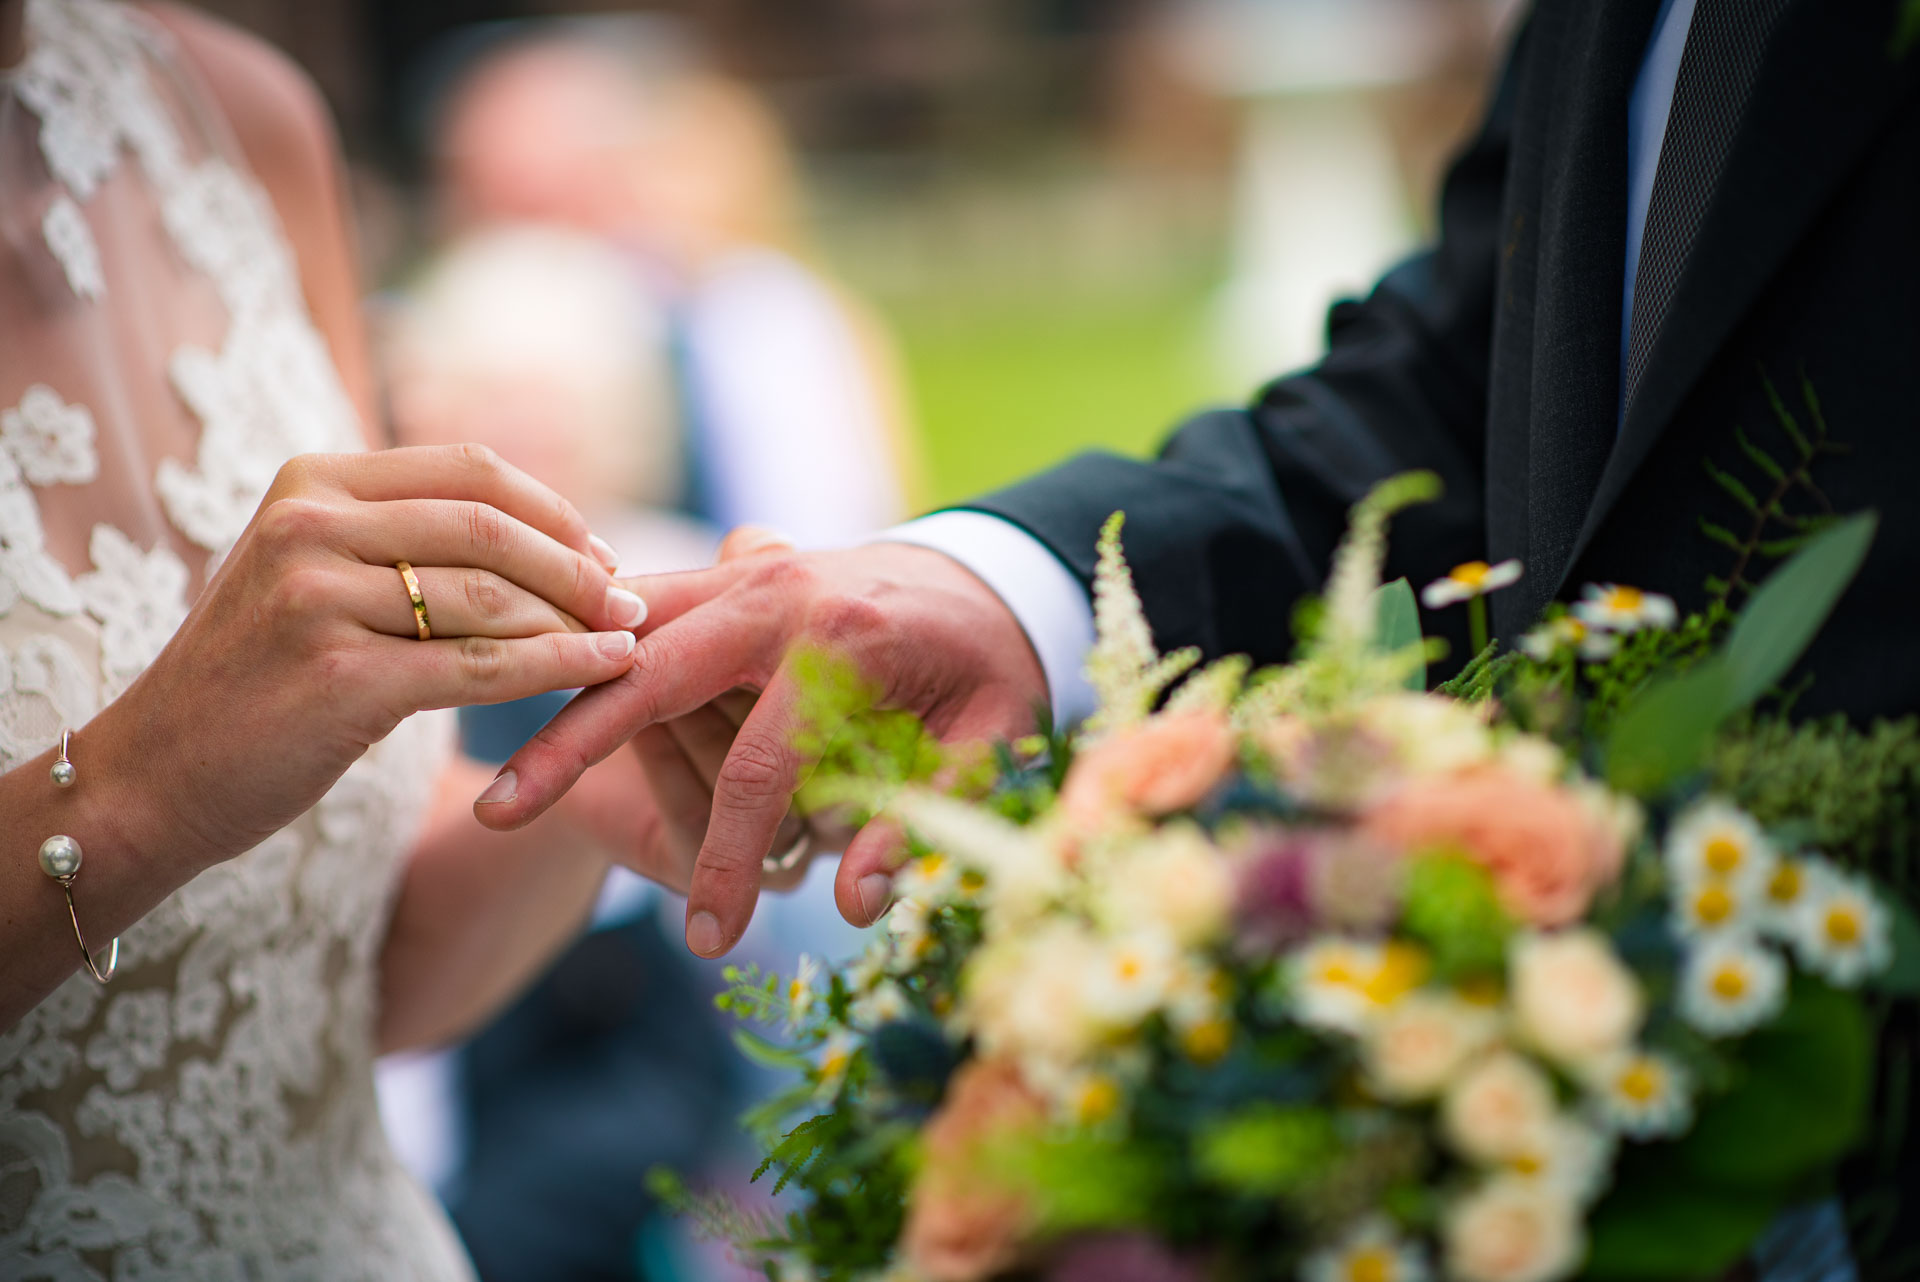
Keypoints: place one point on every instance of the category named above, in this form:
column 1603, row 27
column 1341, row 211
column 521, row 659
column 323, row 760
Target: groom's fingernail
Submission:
column 703, row 934
column 603, row 552
column 624, row 608
column 874, row 892
column 505, row 787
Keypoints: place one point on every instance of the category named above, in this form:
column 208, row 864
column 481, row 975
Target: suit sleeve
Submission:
column 1240, row 513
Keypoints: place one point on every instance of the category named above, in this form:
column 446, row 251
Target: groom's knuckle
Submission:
column 842, row 620
column 784, row 576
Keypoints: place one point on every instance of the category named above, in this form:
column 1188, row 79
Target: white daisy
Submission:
column 1567, row 1155
column 801, row 992
column 1714, row 839
column 1711, row 907
column 930, row 879
column 1568, row 633
column 1613, row 607
column 1841, row 929
column 870, row 967
column 907, row 925
column 1342, row 983
column 836, row 1057
column 1643, row 1095
column 1370, row 1251
column 1134, row 977
column 885, row 1003
column 1464, row 582
column 1730, row 985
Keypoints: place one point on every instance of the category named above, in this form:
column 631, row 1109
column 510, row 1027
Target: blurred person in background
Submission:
column 790, row 417
column 620, row 308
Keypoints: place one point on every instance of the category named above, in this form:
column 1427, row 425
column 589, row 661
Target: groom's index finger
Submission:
column 701, row 641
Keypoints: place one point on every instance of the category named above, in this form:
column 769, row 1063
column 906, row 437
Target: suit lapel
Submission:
column 1575, row 337
column 1828, row 76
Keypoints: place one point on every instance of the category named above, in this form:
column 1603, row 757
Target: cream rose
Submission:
column 1573, row 999
column 1498, row 1108
column 1419, row 1044
column 1513, row 1231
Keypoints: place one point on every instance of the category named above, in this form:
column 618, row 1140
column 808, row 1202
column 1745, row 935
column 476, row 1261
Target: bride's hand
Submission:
column 304, row 650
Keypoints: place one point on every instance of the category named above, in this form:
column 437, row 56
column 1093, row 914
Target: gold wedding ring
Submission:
column 412, row 581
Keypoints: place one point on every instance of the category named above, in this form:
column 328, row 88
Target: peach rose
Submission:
column 1547, row 849
column 1167, row 763
column 962, row 1225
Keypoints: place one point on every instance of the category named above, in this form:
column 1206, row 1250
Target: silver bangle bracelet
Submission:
column 60, row 858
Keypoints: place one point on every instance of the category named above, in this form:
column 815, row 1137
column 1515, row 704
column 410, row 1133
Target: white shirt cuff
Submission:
column 1045, row 597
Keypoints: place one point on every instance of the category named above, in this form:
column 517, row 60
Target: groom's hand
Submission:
column 926, row 634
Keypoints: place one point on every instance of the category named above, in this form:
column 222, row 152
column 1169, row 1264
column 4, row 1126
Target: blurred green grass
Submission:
column 1004, row 384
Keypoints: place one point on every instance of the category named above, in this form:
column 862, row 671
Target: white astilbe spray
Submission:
column 1126, row 672
column 1352, row 615
column 1213, row 688
column 1022, row 870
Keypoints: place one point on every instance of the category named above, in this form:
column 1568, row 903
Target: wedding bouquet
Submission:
column 1309, row 974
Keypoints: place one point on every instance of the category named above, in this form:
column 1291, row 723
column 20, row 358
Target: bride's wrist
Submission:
column 138, row 797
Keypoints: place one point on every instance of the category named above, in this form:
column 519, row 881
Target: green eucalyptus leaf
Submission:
column 1787, row 611
column 1658, row 1225
column 1668, row 729
column 1397, row 625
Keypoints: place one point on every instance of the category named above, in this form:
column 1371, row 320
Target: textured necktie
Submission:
column 1717, row 71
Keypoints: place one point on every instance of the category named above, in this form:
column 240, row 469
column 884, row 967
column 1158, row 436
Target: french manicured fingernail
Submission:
column 615, row 645
column 603, row 552
column 624, row 608
column 874, row 891
column 505, row 787
column 703, row 934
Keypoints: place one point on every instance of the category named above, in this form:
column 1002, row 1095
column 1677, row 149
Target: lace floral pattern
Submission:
column 71, row 240
column 210, row 1115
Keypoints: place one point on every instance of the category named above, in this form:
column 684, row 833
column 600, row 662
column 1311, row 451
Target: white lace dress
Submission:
column 210, row 1115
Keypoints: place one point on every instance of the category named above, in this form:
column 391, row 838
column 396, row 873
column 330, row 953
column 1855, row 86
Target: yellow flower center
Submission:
column 1207, row 1041
column 1730, row 983
column 1640, row 1082
column 1784, row 886
column 795, row 990
column 1527, row 1164
column 1339, row 973
column 1099, row 1100
column 1371, row 1264
column 1470, row 575
column 1403, row 968
column 1131, row 967
column 932, row 865
column 972, row 882
column 1843, row 926
column 1625, row 600
column 1713, row 906
column 1723, row 855
column 834, row 1065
